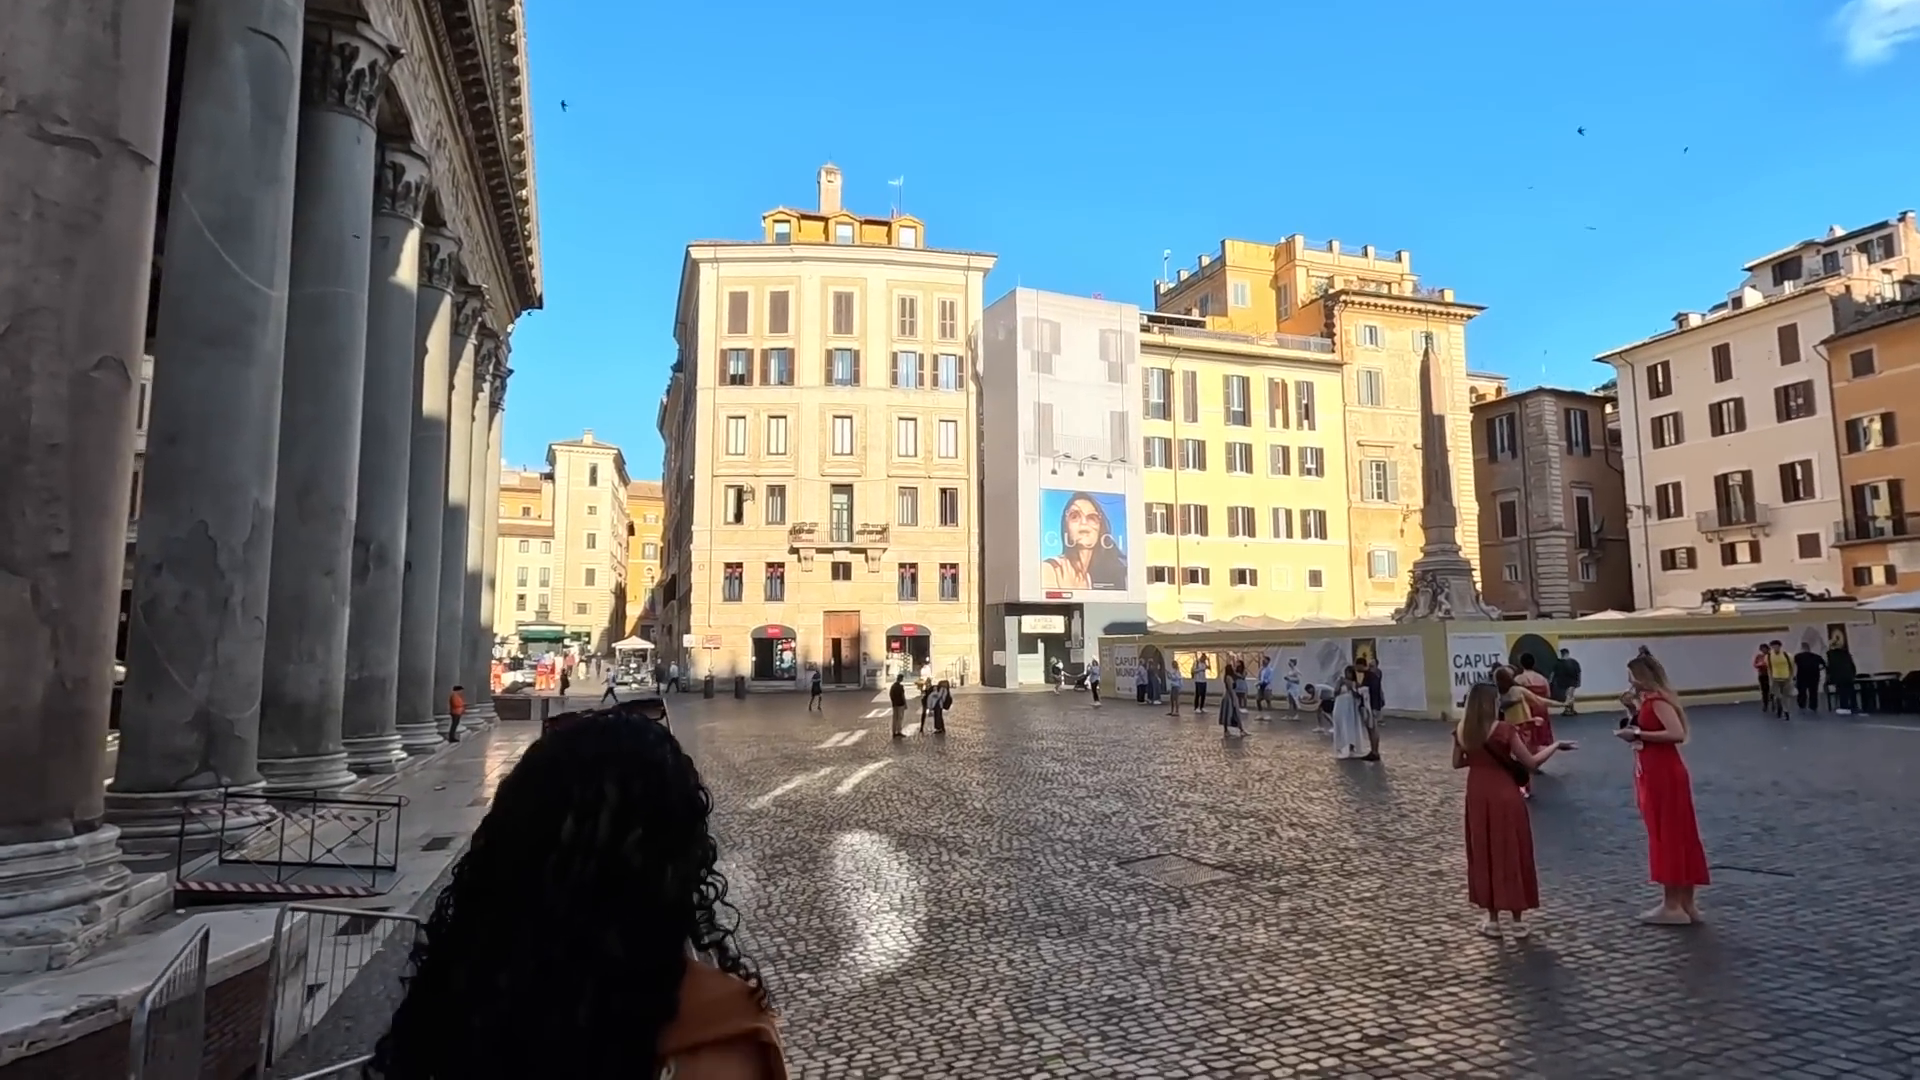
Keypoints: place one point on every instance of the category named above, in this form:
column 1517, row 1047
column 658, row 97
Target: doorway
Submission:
column 840, row 633
column 910, row 647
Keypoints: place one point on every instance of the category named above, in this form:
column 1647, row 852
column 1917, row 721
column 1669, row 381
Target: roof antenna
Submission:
column 899, row 186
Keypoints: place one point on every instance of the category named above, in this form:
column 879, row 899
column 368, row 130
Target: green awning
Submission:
column 537, row 632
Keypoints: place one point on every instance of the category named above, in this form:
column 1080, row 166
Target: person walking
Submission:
column 1093, row 679
column 1173, row 688
column 1499, row 834
column 607, row 693
column 1780, row 674
column 1292, row 684
column 1762, row 668
column 897, row 697
column 1520, row 709
column 1676, row 859
column 814, row 701
column 457, row 709
column 1566, row 680
column 673, row 676
column 1374, row 693
column 942, row 701
column 1059, row 675
column 1349, row 730
column 1229, row 702
column 1200, row 683
column 1841, row 674
column 1539, row 729
column 1263, row 697
column 1807, row 668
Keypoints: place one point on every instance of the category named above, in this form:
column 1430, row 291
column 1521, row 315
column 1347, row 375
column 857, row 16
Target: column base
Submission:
column 375, row 753
column 165, row 824
column 314, row 772
column 423, row 736
column 62, row 899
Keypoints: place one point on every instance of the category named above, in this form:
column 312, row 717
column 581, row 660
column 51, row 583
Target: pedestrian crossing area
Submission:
column 816, row 780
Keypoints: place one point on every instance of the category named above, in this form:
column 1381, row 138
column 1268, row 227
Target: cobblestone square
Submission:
column 1053, row 889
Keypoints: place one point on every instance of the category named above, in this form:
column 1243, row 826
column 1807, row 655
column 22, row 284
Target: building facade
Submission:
column 1552, row 504
column 1381, row 321
column 1874, row 361
column 1727, row 423
column 647, row 510
column 820, row 484
column 565, row 540
column 523, row 602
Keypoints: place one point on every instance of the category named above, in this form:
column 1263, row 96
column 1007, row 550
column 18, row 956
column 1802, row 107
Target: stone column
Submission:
column 450, row 638
column 372, row 689
column 343, row 71
column 490, row 551
column 472, row 675
column 190, row 709
column 79, row 155
column 427, row 489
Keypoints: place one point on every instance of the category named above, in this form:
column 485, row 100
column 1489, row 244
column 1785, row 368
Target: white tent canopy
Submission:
column 1906, row 601
column 632, row 643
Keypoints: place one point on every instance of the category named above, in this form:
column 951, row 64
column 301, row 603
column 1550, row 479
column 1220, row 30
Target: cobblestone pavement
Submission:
column 965, row 906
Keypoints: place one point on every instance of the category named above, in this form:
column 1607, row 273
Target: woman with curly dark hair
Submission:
column 586, row 934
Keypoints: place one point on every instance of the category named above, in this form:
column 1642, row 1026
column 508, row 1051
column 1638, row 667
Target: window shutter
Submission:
column 1786, row 481
column 1789, row 343
column 893, row 372
column 1888, row 435
column 925, row 358
column 1393, row 482
column 856, row 367
column 766, row 368
column 828, row 381
column 1493, row 444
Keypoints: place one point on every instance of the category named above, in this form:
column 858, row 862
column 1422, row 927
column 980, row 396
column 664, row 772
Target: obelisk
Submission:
column 1441, row 582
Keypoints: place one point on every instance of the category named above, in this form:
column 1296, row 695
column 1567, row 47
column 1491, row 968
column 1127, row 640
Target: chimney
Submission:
column 1687, row 320
column 829, row 188
column 587, row 438
column 1835, row 230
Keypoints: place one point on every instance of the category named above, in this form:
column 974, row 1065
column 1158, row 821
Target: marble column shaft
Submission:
column 490, row 524
column 79, row 155
column 450, row 638
column 190, row 713
column 427, row 489
column 343, row 73
column 369, row 724
column 472, row 676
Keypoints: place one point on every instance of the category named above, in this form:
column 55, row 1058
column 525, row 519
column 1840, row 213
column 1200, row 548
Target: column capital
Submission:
column 470, row 306
column 439, row 259
column 488, row 359
column 401, row 180
column 500, row 376
column 344, row 65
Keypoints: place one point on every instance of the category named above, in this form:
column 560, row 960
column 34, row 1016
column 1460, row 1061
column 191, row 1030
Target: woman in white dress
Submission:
column 1349, row 731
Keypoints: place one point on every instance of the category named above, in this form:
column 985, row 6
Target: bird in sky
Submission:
column 563, row 104
column 1579, row 131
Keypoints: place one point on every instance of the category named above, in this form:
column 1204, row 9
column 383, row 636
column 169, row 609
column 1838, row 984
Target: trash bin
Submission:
column 740, row 687
column 706, row 687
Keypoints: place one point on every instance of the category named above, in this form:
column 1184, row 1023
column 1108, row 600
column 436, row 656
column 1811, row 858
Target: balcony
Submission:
column 1865, row 528
column 809, row 534
column 1736, row 521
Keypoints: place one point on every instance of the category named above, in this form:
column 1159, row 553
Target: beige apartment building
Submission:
column 564, row 535
column 1552, row 504
column 1380, row 321
column 523, row 598
column 647, row 509
column 820, row 444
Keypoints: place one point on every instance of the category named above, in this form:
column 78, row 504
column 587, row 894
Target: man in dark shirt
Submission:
column 1566, row 680
column 1376, row 699
column 1807, row 669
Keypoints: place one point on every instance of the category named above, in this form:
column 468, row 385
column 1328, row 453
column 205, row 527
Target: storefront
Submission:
column 774, row 655
column 909, row 647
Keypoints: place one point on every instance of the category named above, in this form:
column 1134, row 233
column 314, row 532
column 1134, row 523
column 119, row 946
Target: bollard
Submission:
column 740, row 687
column 706, row 688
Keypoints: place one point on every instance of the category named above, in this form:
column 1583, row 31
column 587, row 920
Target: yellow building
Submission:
column 647, row 509
column 819, row 428
column 564, row 537
column 1381, row 320
column 523, row 599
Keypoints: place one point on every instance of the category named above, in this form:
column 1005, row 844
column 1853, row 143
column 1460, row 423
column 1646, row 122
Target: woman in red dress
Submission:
column 1677, row 862
column 1500, row 873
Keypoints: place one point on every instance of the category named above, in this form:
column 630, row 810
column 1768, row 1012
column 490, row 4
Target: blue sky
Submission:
column 1080, row 140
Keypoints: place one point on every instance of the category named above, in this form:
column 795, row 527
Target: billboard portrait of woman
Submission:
column 1090, row 546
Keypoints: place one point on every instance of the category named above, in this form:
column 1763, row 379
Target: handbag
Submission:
column 1516, row 769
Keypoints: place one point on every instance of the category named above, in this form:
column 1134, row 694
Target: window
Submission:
column 1860, row 364
column 1502, row 441
column 947, row 319
column 1279, row 413
column 949, row 439
column 1193, row 455
column 523, row 547
column 906, row 311
column 906, row 436
column 1740, row 553
column 783, row 232
column 739, row 319
column 1236, row 396
column 841, row 571
column 732, row 582
column 840, row 514
column 1796, row 481
column 1585, row 527
column 736, row 435
column 593, row 541
column 1286, row 299
column 1243, row 577
column 779, row 313
column 520, row 601
column 840, row 313
column 1509, row 513
column 1878, row 508
column 909, row 236
column 949, row 508
column 738, row 367
column 843, row 367
column 1279, row 459
column 906, row 370
column 1156, row 388
column 946, row 371
column 1510, row 572
column 1378, row 481
column 593, row 511
column 1788, row 336
column 1313, row 524
column 1383, row 564
column 1660, row 379
column 1160, row 519
column 1667, row 430
column 1240, row 294
column 1787, row 269
column 1240, row 522
column 776, row 441
column 1370, row 336
column 733, row 505
column 520, row 576
column 906, row 506
column 774, row 585
column 1159, row 575
column 1281, row 523
column 587, row 577
column 1807, row 545
column 1206, row 304
column 843, row 232
column 1316, row 580
column 1193, row 519
column 908, row 575
column 1876, row 432
column 1197, row 575
column 776, row 367
column 1240, row 458
column 1727, row 417
column 1668, row 502
column 546, row 547
column 581, row 609
column 1371, row 387
column 1733, row 497
column 1588, row 572
column 843, row 436
column 540, row 604
column 1678, row 558
column 593, row 476
column 1722, row 362
column 526, row 511
column 1793, row 401
column 775, row 504
column 1158, row 452
column 1579, row 432
column 1423, row 340
column 1190, row 397
column 1313, row 462
column 949, row 581
column 1303, row 398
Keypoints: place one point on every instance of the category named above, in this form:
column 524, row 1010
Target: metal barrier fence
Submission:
column 170, row 1021
column 296, row 846
column 317, row 953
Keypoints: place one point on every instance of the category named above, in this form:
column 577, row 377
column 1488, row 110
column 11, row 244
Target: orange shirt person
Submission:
column 456, row 708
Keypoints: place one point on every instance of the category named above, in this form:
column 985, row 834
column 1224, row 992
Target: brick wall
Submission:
column 235, row 1008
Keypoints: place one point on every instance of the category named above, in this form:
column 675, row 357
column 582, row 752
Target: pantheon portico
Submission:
column 318, row 220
